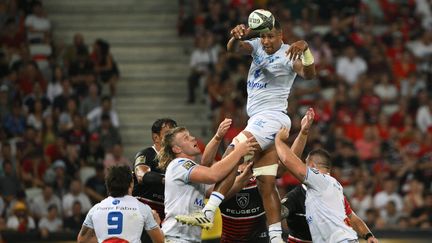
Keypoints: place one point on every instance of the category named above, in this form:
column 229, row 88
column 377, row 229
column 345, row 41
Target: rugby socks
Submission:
column 213, row 203
column 275, row 232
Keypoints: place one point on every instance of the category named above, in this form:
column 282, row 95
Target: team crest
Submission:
column 242, row 200
column 140, row 160
column 188, row 164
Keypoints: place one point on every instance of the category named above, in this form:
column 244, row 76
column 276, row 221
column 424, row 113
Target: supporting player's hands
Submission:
column 283, row 134
column 240, row 31
column 247, row 147
column 296, row 50
column 223, row 128
column 307, row 121
column 247, row 172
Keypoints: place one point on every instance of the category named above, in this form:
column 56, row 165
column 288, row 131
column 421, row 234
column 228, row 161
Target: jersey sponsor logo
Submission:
column 314, row 170
column 140, row 160
column 242, row 200
column 115, row 202
column 199, row 202
column 256, row 85
column 188, row 164
column 244, row 211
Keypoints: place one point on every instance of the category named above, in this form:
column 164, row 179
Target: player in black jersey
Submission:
column 148, row 177
column 243, row 215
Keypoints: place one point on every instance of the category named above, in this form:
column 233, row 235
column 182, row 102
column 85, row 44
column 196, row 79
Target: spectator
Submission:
column 10, row 183
column 57, row 177
column 115, row 158
column 361, row 200
column 74, row 222
column 38, row 25
column 91, row 101
column 388, row 194
column 109, row 135
column 75, row 194
column 20, row 221
column 65, row 121
column 422, row 217
column 54, row 88
column 390, row 215
column 424, row 117
column 15, row 123
column 350, row 66
column 60, row 101
column 104, row 65
column 94, row 153
column 40, row 204
column 95, row 116
column 50, row 223
column 95, row 186
column 6, row 156
column 5, row 104
column 72, row 52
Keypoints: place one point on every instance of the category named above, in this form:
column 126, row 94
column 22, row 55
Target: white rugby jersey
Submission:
column 325, row 210
column 270, row 79
column 182, row 197
column 122, row 217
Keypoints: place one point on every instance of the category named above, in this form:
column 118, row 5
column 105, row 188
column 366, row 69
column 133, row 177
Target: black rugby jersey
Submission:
column 243, row 216
column 295, row 202
column 153, row 195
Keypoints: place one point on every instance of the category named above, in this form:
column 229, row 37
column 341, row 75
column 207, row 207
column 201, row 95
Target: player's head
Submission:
column 177, row 142
column 320, row 159
column 159, row 128
column 272, row 40
column 119, row 181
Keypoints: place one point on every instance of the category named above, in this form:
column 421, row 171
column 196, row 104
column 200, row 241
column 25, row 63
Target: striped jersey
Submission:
column 243, row 216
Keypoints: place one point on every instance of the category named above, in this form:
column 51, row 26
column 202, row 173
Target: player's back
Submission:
column 325, row 208
column 120, row 218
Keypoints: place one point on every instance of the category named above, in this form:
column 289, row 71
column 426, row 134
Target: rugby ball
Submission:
column 261, row 20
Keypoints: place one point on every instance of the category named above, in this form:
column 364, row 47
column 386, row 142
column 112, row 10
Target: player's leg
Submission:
column 265, row 169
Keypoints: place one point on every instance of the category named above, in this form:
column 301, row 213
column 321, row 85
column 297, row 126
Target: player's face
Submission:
column 271, row 41
column 187, row 144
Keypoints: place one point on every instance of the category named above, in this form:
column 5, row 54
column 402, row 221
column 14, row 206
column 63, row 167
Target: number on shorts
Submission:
column 115, row 219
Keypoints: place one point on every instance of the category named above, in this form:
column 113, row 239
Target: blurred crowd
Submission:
column 372, row 94
column 59, row 128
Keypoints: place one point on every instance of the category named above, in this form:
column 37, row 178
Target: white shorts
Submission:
column 265, row 125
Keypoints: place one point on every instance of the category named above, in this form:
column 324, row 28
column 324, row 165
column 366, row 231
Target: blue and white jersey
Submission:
column 182, row 197
column 270, row 79
column 123, row 218
column 325, row 209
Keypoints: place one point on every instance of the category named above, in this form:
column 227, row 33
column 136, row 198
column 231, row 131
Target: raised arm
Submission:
column 287, row 156
column 215, row 173
column 212, row 146
column 304, row 65
column 361, row 228
column 241, row 180
column 235, row 44
column 301, row 139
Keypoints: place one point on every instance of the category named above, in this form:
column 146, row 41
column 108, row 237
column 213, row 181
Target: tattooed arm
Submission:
column 86, row 235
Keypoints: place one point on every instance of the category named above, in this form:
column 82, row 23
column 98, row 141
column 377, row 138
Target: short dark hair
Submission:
column 277, row 25
column 325, row 157
column 118, row 181
column 160, row 123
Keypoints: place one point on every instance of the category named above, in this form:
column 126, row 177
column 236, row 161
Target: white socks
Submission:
column 275, row 232
column 213, row 203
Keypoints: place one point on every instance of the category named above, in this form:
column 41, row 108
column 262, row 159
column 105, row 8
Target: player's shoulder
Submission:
column 145, row 156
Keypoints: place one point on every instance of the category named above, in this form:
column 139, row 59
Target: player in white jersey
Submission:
column 186, row 181
column 120, row 218
column 271, row 75
column 325, row 210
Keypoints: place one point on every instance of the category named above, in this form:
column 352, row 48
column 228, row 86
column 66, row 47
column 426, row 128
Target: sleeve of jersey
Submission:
column 315, row 180
column 142, row 160
column 255, row 43
column 348, row 209
column 185, row 168
column 149, row 221
column 88, row 221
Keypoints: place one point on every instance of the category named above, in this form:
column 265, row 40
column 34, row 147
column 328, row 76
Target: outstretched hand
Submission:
column 283, row 134
column 240, row 31
column 307, row 121
column 223, row 128
column 296, row 50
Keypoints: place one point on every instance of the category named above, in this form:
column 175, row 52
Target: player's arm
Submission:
column 143, row 172
column 87, row 235
column 303, row 59
column 235, row 43
column 241, row 180
column 218, row 171
column 156, row 235
column 212, row 147
column 361, row 228
column 287, row 157
column 301, row 139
